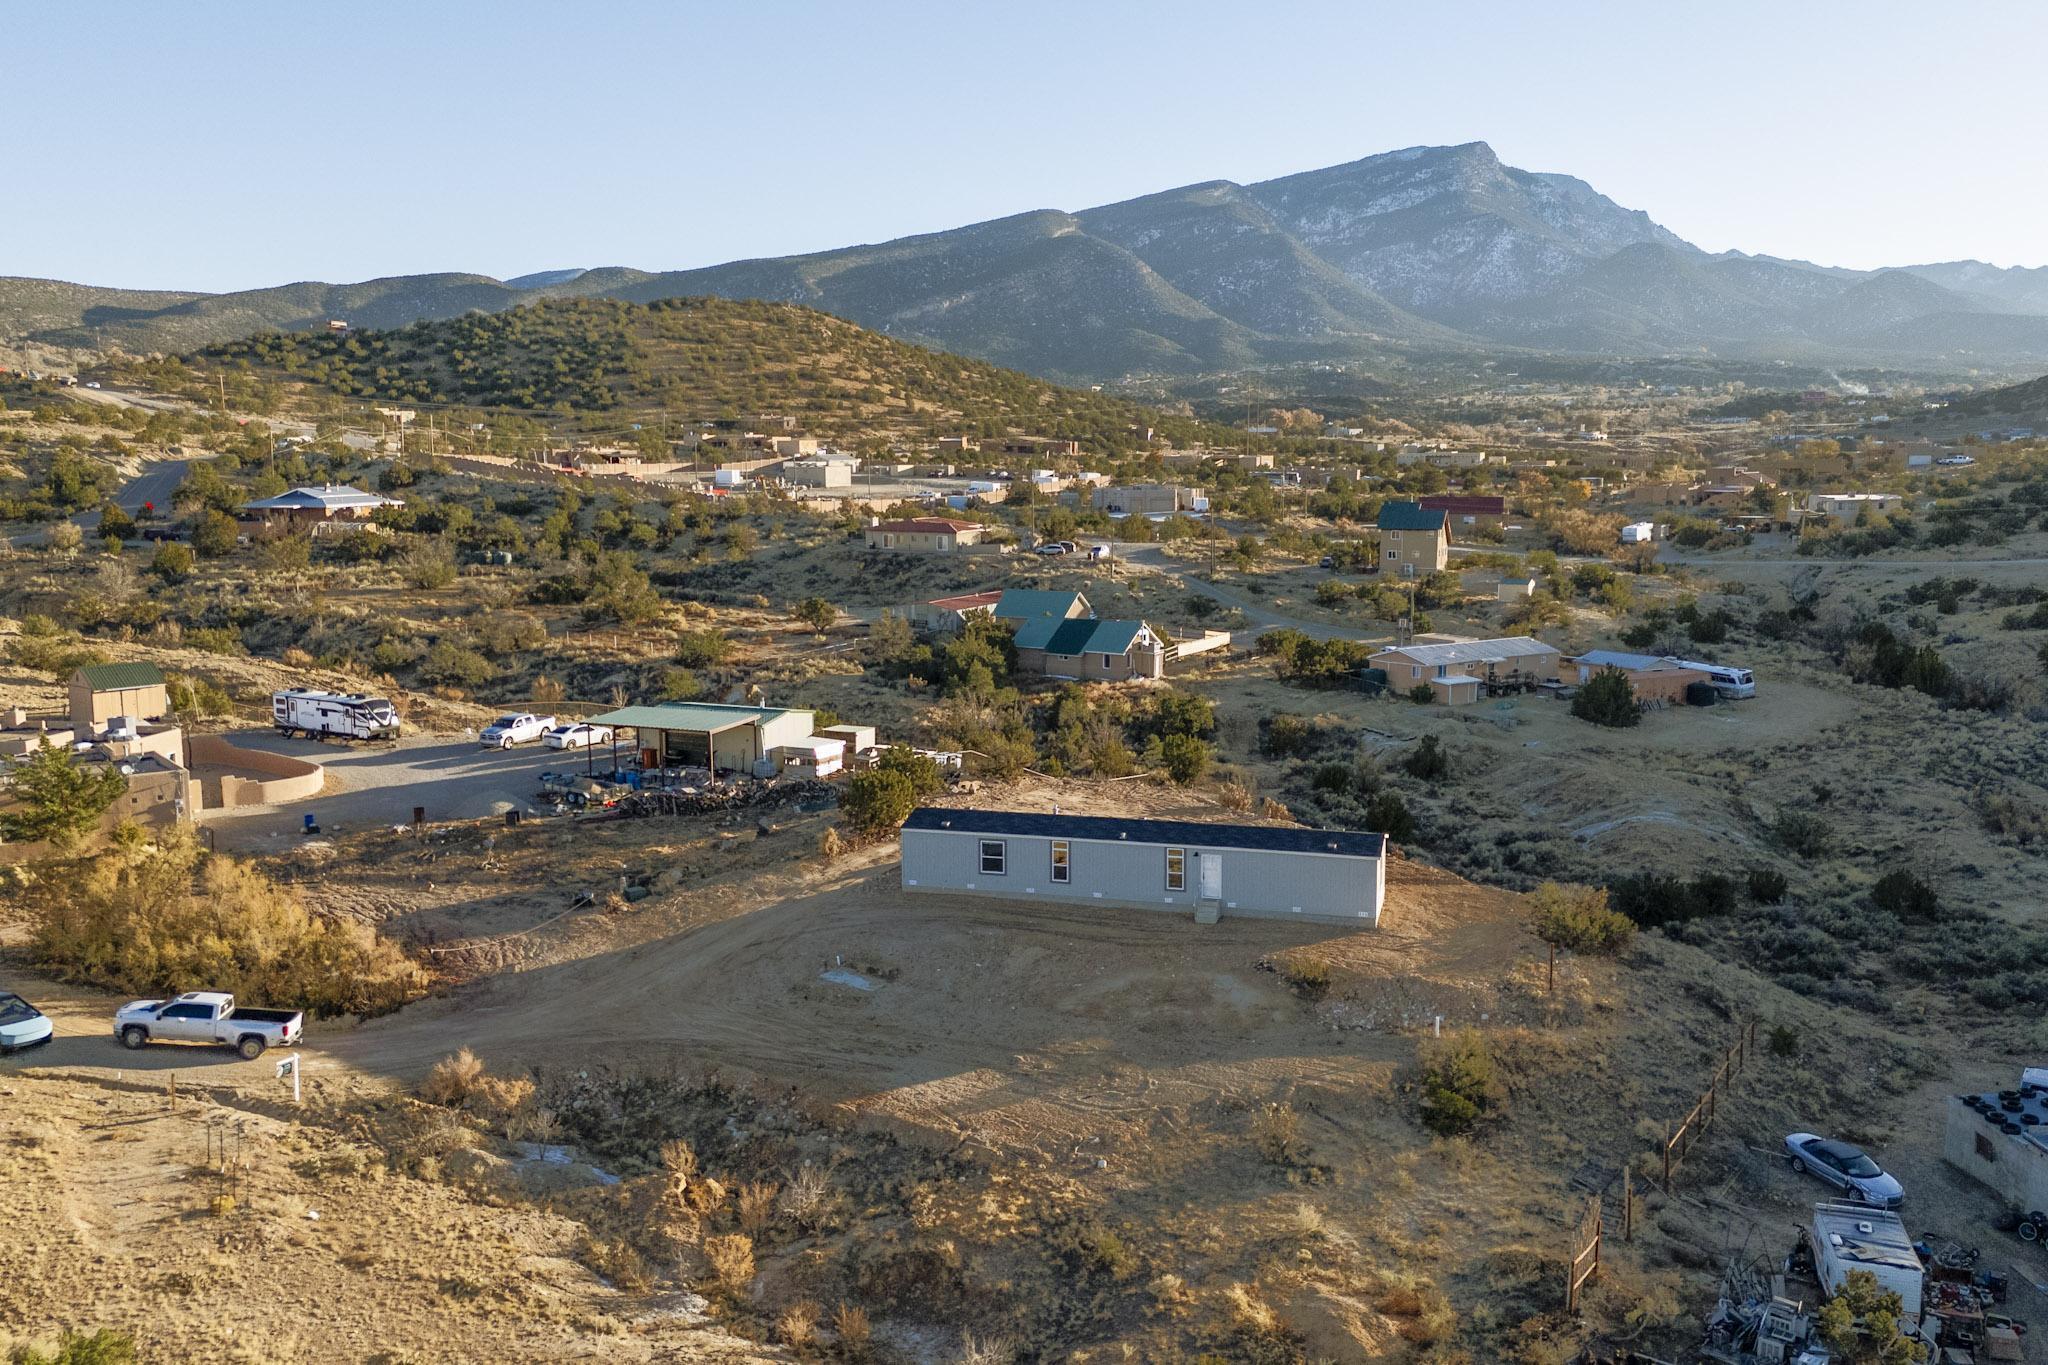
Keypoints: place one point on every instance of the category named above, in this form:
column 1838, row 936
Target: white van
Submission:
column 1734, row 684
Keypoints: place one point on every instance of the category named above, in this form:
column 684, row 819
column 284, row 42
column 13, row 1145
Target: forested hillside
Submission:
column 685, row 359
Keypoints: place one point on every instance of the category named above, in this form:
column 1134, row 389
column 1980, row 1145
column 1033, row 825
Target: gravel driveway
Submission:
column 379, row 784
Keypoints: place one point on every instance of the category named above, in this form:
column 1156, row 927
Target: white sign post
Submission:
column 289, row 1066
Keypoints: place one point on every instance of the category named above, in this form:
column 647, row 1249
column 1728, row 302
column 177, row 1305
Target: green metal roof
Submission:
column 1408, row 516
column 1025, row 603
column 686, row 716
column 121, row 677
column 1079, row 636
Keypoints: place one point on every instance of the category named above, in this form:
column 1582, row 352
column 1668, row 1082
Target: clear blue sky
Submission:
column 225, row 144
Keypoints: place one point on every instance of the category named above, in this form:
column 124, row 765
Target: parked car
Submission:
column 1052, row 547
column 206, row 1017
column 577, row 735
column 1845, row 1167
column 519, row 728
column 22, row 1025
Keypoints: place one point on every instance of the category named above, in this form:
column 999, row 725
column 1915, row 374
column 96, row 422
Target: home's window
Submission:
column 1415, row 670
column 1984, row 1148
column 1060, row 864
column 992, row 857
column 1176, row 869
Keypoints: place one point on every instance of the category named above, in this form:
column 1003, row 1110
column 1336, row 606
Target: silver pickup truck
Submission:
column 206, row 1017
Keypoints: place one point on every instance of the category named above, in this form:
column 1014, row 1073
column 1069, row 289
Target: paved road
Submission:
column 379, row 784
column 154, row 487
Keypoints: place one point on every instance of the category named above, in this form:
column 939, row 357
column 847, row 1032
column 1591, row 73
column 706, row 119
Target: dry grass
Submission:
column 797, row 1325
column 986, row 1350
column 754, row 1205
column 1276, row 1132
column 853, row 1332
column 731, row 1258
column 805, row 1195
column 453, row 1079
column 617, row 1262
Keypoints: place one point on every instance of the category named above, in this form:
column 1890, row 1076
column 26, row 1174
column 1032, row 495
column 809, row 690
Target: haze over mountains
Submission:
column 1437, row 249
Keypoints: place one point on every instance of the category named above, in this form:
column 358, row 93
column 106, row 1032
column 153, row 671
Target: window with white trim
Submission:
column 1176, row 869
column 1062, row 865
column 994, row 857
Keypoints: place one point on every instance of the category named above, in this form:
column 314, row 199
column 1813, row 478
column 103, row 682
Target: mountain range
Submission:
column 1424, row 250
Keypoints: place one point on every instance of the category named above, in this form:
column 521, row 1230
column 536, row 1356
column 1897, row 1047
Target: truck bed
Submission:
column 256, row 1016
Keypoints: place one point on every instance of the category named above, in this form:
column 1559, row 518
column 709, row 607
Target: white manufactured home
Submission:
column 1329, row 876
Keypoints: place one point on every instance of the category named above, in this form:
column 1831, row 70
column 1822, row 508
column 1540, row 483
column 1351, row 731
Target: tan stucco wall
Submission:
column 278, row 777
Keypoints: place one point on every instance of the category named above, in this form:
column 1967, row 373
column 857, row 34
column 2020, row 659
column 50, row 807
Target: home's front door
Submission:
column 1212, row 876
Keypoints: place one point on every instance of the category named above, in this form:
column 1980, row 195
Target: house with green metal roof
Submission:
column 1107, row 651
column 1415, row 541
column 100, row 692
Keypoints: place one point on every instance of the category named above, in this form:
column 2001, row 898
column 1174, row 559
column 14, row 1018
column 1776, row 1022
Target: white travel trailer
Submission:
column 345, row 716
column 1732, row 683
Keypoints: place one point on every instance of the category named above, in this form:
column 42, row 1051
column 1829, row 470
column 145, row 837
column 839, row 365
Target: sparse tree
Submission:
column 1607, row 698
column 816, row 612
column 172, row 562
column 57, row 799
column 214, row 534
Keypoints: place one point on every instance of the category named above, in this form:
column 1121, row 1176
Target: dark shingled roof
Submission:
column 1114, row 829
column 1408, row 516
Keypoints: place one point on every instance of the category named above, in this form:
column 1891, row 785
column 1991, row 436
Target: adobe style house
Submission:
column 100, row 692
column 1475, row 510
column 1464, row 671
column 327, row 509
column 1179, row 866
column 1415, row 541
column 924, row 535
column 1148, row 499
column 1104, row 651
column 1654, row 677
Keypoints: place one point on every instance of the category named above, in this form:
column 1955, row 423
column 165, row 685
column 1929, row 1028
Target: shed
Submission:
column 1328, row 876
column 1455, row 689
column 1515, row 590
column 811, row 756
column 100, row 692
column 857, row 738
column 702, row 735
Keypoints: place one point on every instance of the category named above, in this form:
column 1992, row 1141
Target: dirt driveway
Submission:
column 379, row 784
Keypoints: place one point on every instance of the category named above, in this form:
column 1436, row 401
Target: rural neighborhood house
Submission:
column 1331, row 876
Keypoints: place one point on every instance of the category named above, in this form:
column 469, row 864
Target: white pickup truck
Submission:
column 521, row 728
column 206, row 1017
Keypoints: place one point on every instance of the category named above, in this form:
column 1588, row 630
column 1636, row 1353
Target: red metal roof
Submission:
column 967, row 601
column 1466, row 504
